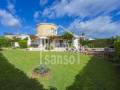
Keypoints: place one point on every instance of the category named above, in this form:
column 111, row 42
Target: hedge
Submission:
column 98, row 43
column 23, row 43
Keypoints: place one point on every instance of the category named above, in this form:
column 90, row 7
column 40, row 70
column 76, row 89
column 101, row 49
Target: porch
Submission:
column 56, row 42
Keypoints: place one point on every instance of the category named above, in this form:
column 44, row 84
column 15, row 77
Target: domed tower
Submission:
column 46, row 29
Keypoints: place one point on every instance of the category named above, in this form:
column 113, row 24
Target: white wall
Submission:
column 76, row 43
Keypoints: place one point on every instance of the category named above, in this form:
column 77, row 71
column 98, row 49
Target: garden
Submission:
column 28, row 70
column 90, row 73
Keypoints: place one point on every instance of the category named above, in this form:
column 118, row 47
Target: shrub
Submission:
column 5, row 42
column 84, row 42
column 23, row 43
column 98, row 43
column 117, row 48
column 42, row 69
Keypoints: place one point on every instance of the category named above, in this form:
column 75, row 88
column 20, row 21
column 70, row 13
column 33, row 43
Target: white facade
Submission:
column 16, row 45
column 76, row 41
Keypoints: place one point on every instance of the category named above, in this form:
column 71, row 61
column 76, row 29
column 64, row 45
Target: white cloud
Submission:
column 36, row 15
column 43, row 2
column 11, row 7
column 118, row 13
column 49, row 14
column 101, row 26
column 83, row 8
column 7, row 19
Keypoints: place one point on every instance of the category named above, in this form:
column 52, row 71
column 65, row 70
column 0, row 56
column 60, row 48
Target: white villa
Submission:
column 47, row 34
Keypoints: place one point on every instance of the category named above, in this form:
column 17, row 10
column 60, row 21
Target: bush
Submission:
column 42, row 69
column 23, row 43
column 117, row 49
column 5, row 42
column 98, row 43
column 84, row 42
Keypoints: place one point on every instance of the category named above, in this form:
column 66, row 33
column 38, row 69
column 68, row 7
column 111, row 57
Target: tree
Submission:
column 68, row 37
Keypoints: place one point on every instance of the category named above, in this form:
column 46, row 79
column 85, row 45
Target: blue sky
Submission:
column 97, row 18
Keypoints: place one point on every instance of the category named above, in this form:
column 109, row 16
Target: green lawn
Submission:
column 87, row 73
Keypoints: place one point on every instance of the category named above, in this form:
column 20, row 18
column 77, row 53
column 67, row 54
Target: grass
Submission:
column 89, row 73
